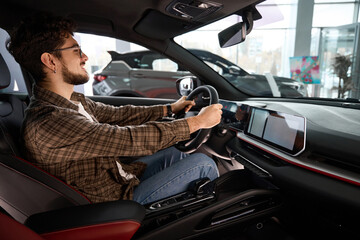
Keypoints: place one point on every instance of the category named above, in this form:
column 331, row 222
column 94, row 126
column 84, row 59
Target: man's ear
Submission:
column 49, row 61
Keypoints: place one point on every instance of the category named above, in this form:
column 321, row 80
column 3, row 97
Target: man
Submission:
column 87, row 144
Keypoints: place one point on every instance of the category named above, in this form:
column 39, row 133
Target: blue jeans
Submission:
column 169, row 172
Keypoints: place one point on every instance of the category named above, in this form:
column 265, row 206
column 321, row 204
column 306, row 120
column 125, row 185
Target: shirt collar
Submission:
column 54, row 98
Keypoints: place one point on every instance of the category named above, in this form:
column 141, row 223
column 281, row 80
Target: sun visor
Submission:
column 91, row 24
column 157, row 25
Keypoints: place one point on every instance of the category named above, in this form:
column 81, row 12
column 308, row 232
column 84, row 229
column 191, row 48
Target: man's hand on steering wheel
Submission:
column 182, row 104
column 208, row 117
column 200, row 124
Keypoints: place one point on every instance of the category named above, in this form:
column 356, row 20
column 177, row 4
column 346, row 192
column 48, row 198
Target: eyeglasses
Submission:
column 73, row 47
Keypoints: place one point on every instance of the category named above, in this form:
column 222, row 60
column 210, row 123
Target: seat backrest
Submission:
column 11, row 113
column 11, row 116
column 24, row 188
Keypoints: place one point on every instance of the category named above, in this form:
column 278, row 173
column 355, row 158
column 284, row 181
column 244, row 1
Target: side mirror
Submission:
column 185, row 85
column 234, row 70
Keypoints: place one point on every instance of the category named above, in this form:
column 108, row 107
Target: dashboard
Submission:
column 282, row 131
column 300, row 144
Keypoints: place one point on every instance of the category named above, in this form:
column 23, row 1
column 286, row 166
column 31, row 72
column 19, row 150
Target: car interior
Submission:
column 267, row 189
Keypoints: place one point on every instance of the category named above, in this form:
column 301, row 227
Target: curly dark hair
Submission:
column 35, row 35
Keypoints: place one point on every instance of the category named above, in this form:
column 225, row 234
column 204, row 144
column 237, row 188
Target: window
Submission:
column 330, row 14
column 120, row 68
column 164, row 65
column 266, row 49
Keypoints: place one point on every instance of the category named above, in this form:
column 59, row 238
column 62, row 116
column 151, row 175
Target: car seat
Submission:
column 26, row 190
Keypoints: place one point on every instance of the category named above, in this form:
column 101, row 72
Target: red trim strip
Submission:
column 306, row 167
column 107, row 231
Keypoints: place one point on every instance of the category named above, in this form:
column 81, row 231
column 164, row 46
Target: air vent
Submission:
column 192, row 10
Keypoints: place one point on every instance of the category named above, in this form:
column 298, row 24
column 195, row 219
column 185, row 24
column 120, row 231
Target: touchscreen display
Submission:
column 281, row 130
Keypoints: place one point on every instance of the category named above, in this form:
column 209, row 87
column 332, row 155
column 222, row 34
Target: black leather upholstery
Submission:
column 25, row 189
column 11, row 116
column 110, row 220
column 5, row 77
column 86, row 215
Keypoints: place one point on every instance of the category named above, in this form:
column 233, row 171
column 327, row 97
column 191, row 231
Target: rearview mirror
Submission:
column 232, row 35
column 185, row 85
column 236, row 33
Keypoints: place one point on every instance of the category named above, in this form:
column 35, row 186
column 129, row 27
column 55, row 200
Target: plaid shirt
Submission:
column 83, row 153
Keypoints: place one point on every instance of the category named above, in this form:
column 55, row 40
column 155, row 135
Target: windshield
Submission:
column 276, row 61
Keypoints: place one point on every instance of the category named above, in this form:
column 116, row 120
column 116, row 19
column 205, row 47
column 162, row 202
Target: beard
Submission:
column 72, row 78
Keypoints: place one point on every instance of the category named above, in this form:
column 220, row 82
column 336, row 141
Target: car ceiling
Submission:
column 152, row 20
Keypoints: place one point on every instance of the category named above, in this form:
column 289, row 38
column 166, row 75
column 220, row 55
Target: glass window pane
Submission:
column 96, row 48
column 121, row 68
column 335, row 42
column 330, row 15
column 164, row 65
column 263, row 51
column 266, row 51
column 315, row 39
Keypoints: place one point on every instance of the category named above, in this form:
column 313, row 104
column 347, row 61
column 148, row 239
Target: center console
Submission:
column 201, row 190
column 234, row 198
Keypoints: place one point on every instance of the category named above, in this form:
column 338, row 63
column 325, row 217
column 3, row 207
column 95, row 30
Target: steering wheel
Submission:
column 201, row 136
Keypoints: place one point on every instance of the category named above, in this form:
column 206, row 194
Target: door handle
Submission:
column 139, row 75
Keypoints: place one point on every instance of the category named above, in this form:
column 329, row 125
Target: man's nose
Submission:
column 84, row 57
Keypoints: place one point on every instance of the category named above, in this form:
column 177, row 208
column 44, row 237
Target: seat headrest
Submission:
column 5, row 77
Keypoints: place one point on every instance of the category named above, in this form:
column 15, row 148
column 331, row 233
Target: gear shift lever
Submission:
column 202, row 186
